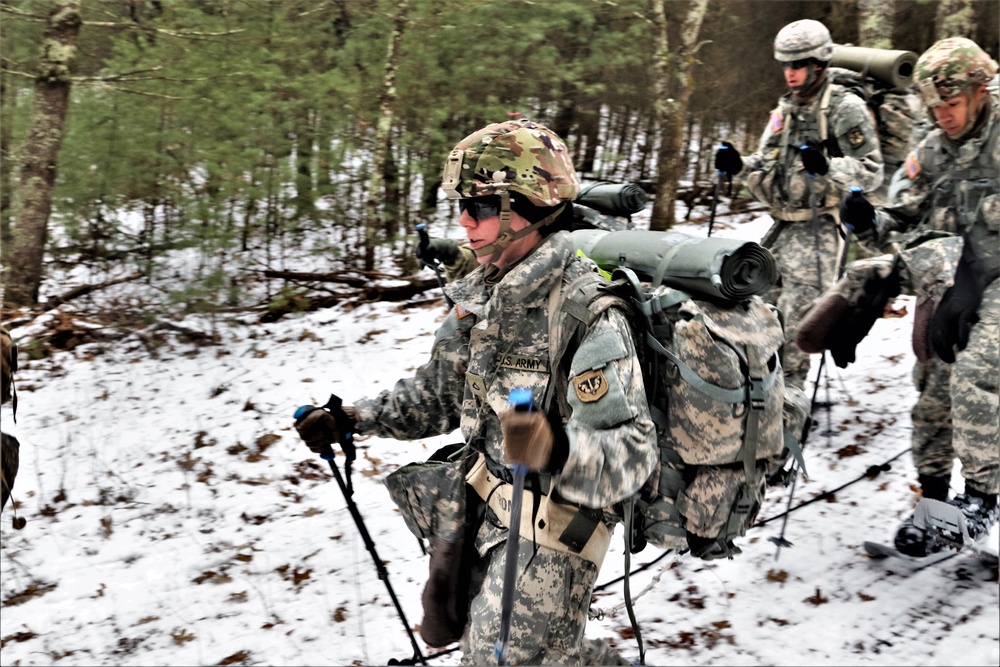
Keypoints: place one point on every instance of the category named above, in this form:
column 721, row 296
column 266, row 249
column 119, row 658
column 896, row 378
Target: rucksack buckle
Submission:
column 757, row 395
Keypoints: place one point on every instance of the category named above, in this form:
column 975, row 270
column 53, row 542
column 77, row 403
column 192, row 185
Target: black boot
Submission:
column 980, row 510
column 914, row 541
column 934, row 487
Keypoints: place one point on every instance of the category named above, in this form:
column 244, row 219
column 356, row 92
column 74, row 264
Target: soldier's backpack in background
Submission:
column 883, row 78
column 710, row 350
column 8, row 364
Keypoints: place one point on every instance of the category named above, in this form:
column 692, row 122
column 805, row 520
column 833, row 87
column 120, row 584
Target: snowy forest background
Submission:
column 207, row 214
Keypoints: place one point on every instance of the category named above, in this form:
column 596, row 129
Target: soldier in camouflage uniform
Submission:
column 591, row 443
column 820, row 140
column 949, row 186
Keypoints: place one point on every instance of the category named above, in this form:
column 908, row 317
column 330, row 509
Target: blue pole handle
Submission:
column 521, row 399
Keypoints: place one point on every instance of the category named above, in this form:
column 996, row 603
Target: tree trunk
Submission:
column 7, row 104
column 672, row 112
column 33, row 202
column 382, row 135
column 875, row 21
column 956, row 18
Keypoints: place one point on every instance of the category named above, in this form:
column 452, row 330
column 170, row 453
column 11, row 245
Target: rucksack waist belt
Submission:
column 800, row 215
column 563, row 528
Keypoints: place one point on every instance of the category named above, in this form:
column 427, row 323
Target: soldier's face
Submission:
column 484, row 231
column 957, row 114
column 796, row 73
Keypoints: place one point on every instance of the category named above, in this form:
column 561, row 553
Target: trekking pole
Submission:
column 780, row 540
column 345, row 429
column 520, row 400
column 715, row 200
column 435, row 266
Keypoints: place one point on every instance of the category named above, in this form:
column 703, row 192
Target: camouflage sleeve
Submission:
column 612, row 441
column 853, row 127
column 430, row 402
column 909, row 196
column 463, row 266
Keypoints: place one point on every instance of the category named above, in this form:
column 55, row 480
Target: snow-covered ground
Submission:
column 174, row 517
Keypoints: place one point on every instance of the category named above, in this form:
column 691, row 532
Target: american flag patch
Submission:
column 461, row 312
column 776, row 123
column 912, row 166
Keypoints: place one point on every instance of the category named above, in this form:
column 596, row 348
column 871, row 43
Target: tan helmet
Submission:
column 803, row 39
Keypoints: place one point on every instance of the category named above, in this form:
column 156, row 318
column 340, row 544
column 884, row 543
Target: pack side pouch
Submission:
column 431, row 494
column 709, row 499
column 703, row 429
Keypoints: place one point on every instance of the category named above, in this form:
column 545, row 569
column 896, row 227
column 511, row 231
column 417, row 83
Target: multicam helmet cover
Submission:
column 803, row 39
column 950, row 67
column 516, row 156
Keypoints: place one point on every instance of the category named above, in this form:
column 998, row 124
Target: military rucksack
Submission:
column 898, row 112
column 710, row 352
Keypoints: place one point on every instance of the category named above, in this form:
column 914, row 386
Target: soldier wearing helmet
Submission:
column 949, row 185
column 820, row 140
column 589, row 440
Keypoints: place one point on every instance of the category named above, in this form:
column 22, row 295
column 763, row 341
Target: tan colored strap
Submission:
column 800, row 215
column 550, row 521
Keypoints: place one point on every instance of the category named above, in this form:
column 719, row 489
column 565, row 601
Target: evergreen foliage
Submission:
column 243, row 131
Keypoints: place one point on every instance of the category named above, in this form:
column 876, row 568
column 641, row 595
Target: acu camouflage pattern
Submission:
column 500, row 342
column 803, row 39
column 950, row 67
column 430, row 494
column 775, row 176
column 534, row 161
column 703, row 439
column 947, row 187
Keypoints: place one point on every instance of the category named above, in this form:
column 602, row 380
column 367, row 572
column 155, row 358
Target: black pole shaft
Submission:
column 383, row 573
column 715, row 201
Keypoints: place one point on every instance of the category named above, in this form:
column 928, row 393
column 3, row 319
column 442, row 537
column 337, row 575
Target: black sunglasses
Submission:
column 480, row 208
column 795, row 64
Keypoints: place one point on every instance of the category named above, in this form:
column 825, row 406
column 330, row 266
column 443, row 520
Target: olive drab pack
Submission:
column 710, row 351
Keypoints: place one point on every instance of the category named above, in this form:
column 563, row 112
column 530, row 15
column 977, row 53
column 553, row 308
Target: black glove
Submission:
column 318, row 429
column 728, row 160
column 813, row 160
column 845, row 335
column 438, row 251
column 856, row 212
column 959, row 308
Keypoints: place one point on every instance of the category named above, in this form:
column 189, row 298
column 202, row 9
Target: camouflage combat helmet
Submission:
column 514, row 157
column 803, row 39
column 950, row 67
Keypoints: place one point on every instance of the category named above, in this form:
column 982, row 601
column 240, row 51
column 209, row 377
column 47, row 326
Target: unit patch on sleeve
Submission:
column 912, row 166
column 590, row 386
column 856, row 137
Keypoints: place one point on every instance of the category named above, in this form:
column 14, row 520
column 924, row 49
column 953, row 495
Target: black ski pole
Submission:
column 520, row 400
column 715, row 200
column 344, row 428
column 435, row 266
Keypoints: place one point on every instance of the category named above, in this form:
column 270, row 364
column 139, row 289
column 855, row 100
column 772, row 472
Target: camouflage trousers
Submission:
column 795, row 251
column 975, row 398
column 933, row 453
column 550, row 611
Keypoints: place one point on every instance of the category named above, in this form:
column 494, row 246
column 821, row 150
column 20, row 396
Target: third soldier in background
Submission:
column 950, row 185
column 819, row 141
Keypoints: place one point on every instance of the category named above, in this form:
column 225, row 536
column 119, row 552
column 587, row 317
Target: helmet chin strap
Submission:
column 506, row 236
